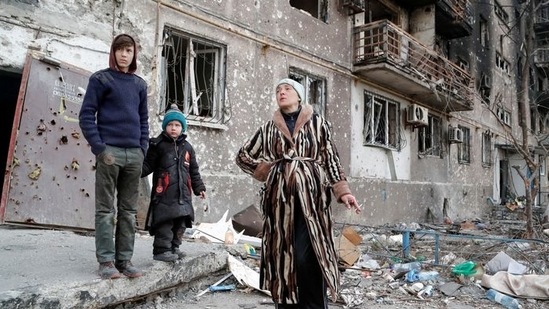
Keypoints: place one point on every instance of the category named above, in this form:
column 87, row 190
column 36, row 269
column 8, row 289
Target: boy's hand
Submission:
column 202, row 194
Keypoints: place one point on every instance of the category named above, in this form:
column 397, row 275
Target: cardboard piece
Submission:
column 347, row 252
column 352, row 235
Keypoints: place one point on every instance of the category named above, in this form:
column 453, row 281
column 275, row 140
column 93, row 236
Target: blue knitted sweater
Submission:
column 114, row 111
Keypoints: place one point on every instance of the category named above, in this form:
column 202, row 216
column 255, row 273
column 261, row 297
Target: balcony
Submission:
column 453, row 18
column 386, row 55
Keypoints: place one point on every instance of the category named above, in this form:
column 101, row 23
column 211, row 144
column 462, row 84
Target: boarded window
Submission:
column 193, row 71
column 381, row 125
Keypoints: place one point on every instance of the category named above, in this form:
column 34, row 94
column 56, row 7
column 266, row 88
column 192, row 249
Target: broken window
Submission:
column 464, row 148
column 486, row 149
column 381, row 125
column 502, row 64
column 315, row 89
column 317, row 8
column 193, row 70
column 430, row 137
column 500, row 12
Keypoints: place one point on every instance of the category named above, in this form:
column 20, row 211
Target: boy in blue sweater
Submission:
column 114, row 121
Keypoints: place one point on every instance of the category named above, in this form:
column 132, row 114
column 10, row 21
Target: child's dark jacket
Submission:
column 175, row 177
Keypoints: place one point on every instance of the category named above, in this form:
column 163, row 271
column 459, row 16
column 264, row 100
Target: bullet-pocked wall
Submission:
column 258, row 43
column 261, row 41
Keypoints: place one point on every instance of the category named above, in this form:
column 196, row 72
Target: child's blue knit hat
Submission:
column 174, row 114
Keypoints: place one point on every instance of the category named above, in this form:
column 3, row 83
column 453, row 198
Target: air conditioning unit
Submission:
column 455, row 135
column 417, row 115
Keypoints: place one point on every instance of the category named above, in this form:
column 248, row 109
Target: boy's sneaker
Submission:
column 179, row 253
column 166, row 257
column 127, row 268
column 108, row 271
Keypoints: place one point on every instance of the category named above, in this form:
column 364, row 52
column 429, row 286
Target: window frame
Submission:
column 201, row 108
column 389, row 112
column 487, row 149
column 464, row 148
column 305, row 6
column 314, row 96
column 430, row 144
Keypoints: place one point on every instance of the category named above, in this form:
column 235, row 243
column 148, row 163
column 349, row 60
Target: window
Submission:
column 317, row 8
column 430, row 137
column 486, row 149
column 315, row 89
column 502, row 64
column 193, row 69
column 464, row 149
column 381, row 125
column 484, row 34
column 500, row 12
column 504, row 116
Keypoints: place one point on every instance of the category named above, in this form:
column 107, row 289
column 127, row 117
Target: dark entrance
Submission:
column 9, row 89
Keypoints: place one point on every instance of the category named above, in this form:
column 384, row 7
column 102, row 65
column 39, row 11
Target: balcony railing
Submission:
column 383, row 42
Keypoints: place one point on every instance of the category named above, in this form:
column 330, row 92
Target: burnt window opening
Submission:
column 502, row 64
column 486, row 149
column 500, row 12
column 504, row 116
column 316, row 8
column 381, row 125
column 430, row 137
column 315, row 89
column 464, row 148
column 194, row 72
column 484, row 33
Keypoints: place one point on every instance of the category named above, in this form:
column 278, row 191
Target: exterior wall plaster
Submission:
column 263, row 39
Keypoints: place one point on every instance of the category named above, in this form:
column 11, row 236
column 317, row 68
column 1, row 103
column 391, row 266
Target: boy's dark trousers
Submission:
column 168, row 235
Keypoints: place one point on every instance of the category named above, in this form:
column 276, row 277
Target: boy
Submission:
column 114, row 121
column 172, row 160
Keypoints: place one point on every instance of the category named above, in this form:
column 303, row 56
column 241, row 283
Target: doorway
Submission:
column 10, row 83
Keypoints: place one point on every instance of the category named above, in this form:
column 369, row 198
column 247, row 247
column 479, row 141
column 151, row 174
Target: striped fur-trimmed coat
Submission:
column 304, row 166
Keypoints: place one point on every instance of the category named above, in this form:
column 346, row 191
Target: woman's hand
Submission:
column 350, row 202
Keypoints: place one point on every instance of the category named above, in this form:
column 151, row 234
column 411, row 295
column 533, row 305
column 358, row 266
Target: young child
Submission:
column 172, row 160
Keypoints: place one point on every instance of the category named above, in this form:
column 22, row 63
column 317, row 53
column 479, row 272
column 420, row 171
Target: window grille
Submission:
column 430, row 137
column 315, row 89
column 464, row 149
column 381, row 125
column 194, row 73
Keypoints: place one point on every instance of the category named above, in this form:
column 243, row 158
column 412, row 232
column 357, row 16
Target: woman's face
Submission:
column 287, row 98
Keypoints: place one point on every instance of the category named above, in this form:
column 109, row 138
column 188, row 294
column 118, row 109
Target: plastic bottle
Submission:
column 414, row 275
column 406, row 266
column 229, row 237
column 505, row 300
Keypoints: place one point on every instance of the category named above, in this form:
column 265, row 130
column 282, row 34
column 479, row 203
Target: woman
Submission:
column 296, row 158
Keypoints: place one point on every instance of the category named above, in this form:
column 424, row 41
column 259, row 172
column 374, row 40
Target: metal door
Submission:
column 49, row 179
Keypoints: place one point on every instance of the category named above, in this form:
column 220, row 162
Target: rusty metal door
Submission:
column 50, row 170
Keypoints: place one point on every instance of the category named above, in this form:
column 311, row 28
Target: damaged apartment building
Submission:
column 423, row 96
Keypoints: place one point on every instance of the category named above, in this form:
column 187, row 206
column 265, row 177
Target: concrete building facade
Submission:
column 413, row 91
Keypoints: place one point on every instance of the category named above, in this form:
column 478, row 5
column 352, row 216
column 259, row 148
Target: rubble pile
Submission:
column 411, row 265
column 434, row 265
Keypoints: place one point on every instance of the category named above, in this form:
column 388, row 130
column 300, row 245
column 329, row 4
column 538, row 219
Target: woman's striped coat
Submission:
column 303, row 166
